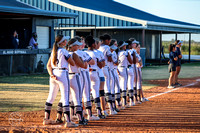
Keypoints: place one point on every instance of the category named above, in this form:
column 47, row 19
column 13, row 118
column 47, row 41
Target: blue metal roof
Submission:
column 110, row 6
column 13, row 6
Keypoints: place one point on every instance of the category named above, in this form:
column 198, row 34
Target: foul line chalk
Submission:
column 173, row 89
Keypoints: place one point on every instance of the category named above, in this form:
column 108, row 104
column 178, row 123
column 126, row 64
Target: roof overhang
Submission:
column 149, row 25
column 99, row 12
column 36, row 12
column 172, row 27
column 99, row 28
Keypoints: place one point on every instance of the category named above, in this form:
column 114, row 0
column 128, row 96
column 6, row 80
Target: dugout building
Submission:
column 26, row 19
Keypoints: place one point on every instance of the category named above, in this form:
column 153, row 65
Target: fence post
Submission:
column 189, row 46
column 160, row 47
column 143, row 38
column 10, row 65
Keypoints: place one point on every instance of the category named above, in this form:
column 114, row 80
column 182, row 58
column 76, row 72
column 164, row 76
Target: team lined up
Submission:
column 107, row 73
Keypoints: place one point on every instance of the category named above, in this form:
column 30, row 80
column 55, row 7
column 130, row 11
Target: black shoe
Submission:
column 101, row 116
column 178, row 84
column 83, row 122
column 116, row 109
column 59, row 121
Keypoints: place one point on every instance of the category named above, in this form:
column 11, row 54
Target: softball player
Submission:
column 115, row 89
column 131, row 73
column 74, row 77
column 139, row 76
column 134, row 48
column 85, row 80
column 116, row 77
column 95, row 83
column 178, row 44
column 105, row 49
column 172, row 65
column 124, row 57
column 102, row 79
column 112, row 83
column 57, row 67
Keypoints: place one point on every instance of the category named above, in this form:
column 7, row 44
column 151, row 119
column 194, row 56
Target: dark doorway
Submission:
column 23, row 26
column 84, row 34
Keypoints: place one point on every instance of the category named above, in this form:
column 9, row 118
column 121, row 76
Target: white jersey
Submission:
column 81, row 54
column 100, row 54
column 131, row 52
column 134, row 50
column 62, row 57
column 137, row 55
column 114, row 59
column 139, row 58
column 123, row 61
column 85, row 57
column 75, row 68
column 105, row 49
column 95, row 56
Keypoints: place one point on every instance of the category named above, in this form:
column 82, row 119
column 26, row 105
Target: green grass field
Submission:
column 188, row 70
column 29, row 93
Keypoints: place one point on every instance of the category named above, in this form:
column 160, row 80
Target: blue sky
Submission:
column 182, row 10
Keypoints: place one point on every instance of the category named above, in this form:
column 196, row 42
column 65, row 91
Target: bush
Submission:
column 195, row 47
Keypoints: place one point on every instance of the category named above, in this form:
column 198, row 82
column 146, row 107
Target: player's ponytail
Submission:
column 104, row 38
column 71, row 41
column 89, row 41
column 171, row 46
column 129, row 44
column 177, row 42
column 55, row 49
column 120, row 43
column 112, row 42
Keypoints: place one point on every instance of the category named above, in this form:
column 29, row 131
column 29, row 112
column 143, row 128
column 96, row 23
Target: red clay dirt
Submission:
column 177, row 111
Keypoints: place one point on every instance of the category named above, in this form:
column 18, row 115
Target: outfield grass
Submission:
column 29, row 93
column 24, row 93
column 188, row 70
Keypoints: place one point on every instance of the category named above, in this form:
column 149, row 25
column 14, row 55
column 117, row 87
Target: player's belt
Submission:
column 123, row 66
column 74, row 73
column 93, row 70
column 129, row 66
column 60, row 68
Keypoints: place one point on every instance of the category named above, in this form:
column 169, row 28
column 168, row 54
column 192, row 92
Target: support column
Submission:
column 95, row 32
column 143, row 37
column 175, row 36
column 160, row 46
column 73, row 32
column 189, row 46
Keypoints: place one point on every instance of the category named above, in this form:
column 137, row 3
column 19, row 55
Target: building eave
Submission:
column 36, row 12
column 108, row 27
column 172, row 25
column 143, row 22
